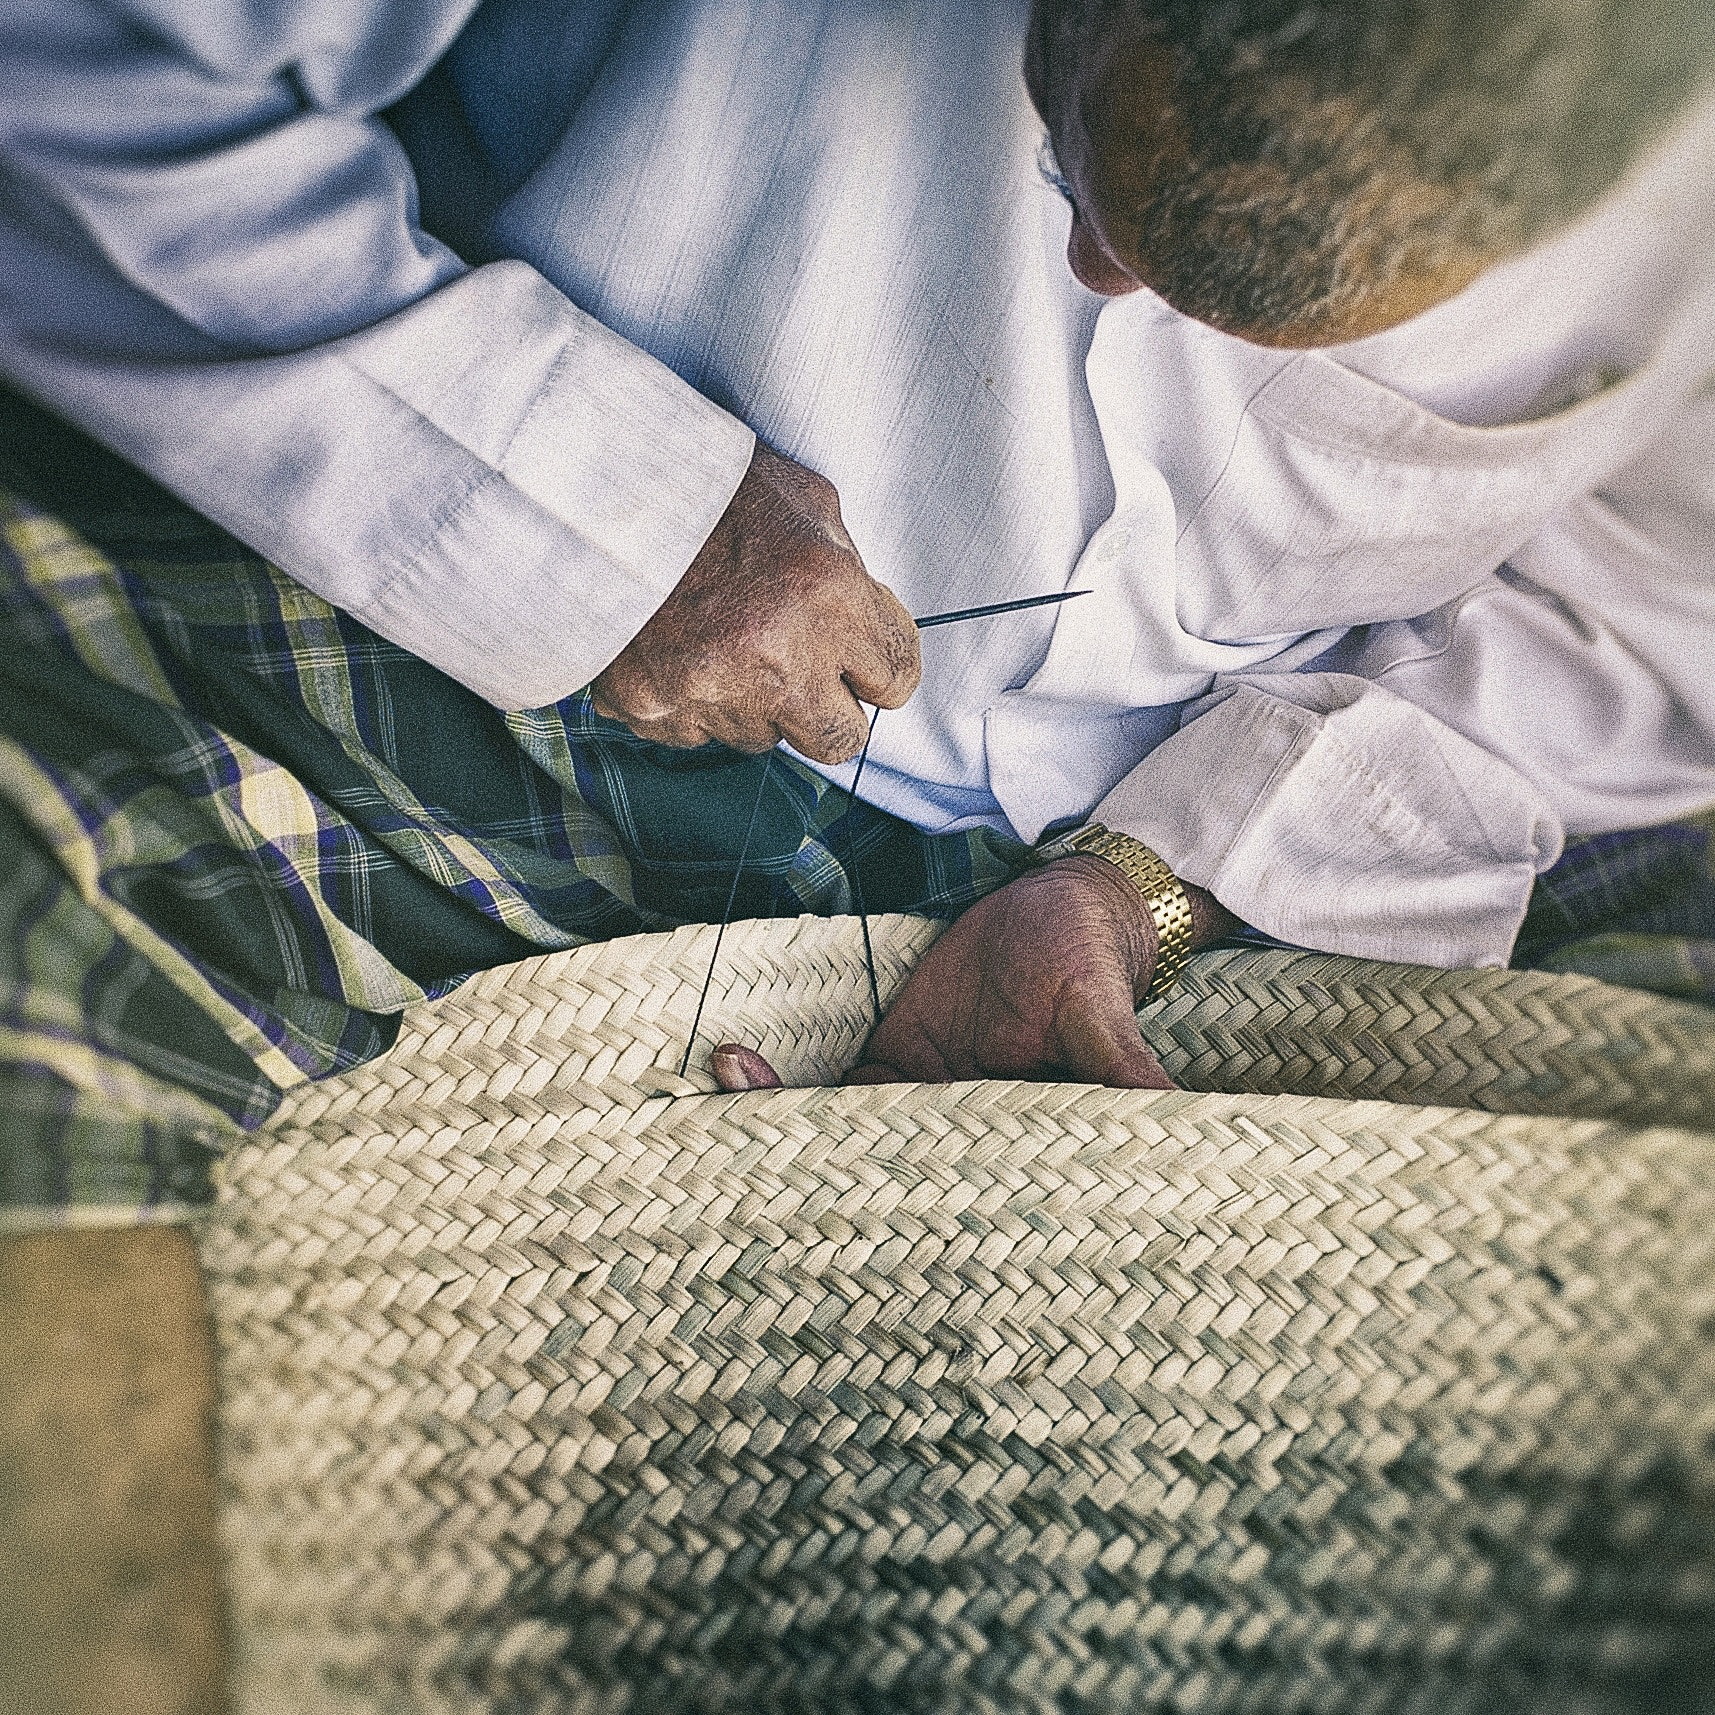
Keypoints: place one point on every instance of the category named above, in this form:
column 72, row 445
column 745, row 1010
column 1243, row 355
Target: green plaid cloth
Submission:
column 1637, row 909
column 240, row 833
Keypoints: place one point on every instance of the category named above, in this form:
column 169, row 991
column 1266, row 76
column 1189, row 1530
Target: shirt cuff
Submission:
column 597, row 475
column 1344, row 819
column 489, row 478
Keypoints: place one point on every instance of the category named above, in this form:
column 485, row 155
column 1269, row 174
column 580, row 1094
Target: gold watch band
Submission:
column 1164, row 895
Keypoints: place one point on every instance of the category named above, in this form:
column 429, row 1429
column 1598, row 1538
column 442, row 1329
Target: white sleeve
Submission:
column 210, row 259
column 1397, row 797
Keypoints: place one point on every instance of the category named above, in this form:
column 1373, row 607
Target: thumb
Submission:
column 739, row 1068
column 1100, row 1042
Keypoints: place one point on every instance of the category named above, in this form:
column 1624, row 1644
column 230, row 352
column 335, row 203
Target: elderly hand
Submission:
column 1039, row 980
column 774, row 632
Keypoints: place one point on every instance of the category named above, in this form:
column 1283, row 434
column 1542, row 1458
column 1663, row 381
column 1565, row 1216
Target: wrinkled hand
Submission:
column 1040, row 979
column 774, row 632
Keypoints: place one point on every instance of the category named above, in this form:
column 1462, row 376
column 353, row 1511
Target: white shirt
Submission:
column 1371, row 630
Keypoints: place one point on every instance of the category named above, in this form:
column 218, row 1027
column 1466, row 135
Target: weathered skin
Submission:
column 1040, row 979
column 774, row 632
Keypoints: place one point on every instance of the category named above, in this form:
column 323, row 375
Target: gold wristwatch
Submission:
column 1164, row 895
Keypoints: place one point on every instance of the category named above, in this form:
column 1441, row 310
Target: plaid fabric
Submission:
column 240, row 833
column 264, row 831
column 1636, row 909
column 101, row 1056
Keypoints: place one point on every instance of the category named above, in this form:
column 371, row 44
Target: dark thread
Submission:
column 852, row 859
column 952, row 617
column 726, row 916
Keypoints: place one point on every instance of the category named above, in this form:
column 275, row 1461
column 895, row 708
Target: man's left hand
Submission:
column 1039, row 980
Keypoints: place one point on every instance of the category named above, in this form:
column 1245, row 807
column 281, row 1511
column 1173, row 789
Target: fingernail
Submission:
column 729, row 1069
column 739, row 1068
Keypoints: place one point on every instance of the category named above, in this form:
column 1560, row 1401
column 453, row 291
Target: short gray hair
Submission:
column 1337, row 144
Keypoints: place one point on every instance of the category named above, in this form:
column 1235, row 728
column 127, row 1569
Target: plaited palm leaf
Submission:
column 556, row 1383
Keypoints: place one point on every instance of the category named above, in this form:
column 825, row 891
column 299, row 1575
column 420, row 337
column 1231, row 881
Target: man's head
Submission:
column 1302, row 172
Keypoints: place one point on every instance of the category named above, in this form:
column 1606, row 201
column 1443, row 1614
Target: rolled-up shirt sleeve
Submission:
column 210, row 258
column 1397, row 797
column 1332, row 813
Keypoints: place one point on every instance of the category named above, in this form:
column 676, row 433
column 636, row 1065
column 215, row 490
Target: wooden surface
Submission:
column 109, row 1576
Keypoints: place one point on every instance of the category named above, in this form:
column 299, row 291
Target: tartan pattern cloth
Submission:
column 1637, row 909
column 240, row 833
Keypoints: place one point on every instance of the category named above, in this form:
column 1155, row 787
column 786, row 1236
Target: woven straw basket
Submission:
column 555, row 1383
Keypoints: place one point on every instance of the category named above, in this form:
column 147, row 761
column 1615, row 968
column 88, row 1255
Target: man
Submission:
column 1316, row 691
column 1369, row 630
column 1326, row 597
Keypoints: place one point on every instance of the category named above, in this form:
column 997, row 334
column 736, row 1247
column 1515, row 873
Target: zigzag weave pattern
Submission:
column 555, row 1384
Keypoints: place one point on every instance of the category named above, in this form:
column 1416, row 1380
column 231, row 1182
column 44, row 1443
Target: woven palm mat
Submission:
column 553, row 1384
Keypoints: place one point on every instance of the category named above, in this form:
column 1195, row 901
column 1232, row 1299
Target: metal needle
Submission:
column 956, row 615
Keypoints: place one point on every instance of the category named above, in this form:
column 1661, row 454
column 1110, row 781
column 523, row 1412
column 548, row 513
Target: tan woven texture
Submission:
column 553, row 1385
column 1529, row 1042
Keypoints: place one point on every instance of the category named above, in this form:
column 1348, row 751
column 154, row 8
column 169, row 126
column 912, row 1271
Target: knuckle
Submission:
column 820, row 491
column 630, row 696
column 677, row 737
column 831, row 738
column 802, row 489
column 827, row 566
column 753, row 741
column 744, row 729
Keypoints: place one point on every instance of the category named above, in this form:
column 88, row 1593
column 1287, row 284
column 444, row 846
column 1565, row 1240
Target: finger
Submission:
column 638, row 714
column 741, row 730
column 739, row 1068
column 901, row 1053
column 677, row 733
column 1101, row 1043
column 887, row 660
column 698, row 724
column 625, row 693
column 874, row 1072
column 831, row 728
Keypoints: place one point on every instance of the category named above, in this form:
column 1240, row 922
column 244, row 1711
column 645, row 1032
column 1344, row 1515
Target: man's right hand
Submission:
column 775, row 632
